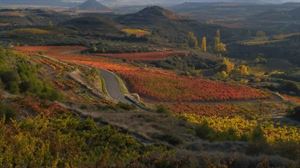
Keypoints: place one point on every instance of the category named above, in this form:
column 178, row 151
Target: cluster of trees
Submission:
column 228, row 67
column 191, row 65
column 289, row 48
column 107, row 46
column 219, row 46
column 18, row 75
column 285, row 86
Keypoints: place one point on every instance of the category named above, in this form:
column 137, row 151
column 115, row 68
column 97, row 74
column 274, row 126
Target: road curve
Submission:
column 113, row 86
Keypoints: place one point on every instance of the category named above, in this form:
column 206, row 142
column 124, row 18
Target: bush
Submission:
column 290, row 86
column 67, row 141
column 203, row 131
column 162, row 109
column 18, row 75
column 10, row 80
column 258, row 135
column 125, row 106
column 295, row 113
column 171, row 139
column 7, row 113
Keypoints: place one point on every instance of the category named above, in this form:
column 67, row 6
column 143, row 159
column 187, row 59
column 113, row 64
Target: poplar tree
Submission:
column 192, row 40
column 204, row 44
column 219, row 46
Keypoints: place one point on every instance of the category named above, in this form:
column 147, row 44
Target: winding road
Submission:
column 113, row 86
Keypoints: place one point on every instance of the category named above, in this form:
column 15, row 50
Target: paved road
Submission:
column 113, row 86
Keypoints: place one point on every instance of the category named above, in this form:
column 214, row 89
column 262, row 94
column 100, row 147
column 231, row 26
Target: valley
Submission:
column 192, row 85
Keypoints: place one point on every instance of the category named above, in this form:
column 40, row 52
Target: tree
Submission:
column 222, row 75
column 244, row 70
column 217, row 43
column 218, row 33
column 227, row 65
column 192, row 40
column 11, row 80
column 219, row 46
column 204, row 44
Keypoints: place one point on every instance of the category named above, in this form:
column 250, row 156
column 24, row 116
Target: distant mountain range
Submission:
column 72, row 3
column 40, row 2
column 274, row 15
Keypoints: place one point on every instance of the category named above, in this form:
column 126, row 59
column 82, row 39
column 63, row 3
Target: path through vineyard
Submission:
column 113, row 86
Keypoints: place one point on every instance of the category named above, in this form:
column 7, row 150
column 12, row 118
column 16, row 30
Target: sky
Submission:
column 136, row 2
column 147, row 2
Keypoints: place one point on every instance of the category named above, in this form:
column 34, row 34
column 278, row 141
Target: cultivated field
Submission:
column 146, row 56
column 243, row 128
column 250, row 109
column 156, row 84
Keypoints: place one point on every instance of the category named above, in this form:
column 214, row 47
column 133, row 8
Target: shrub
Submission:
column 171, row 139
column 162, row 109
column 7, row 113
column 125, row 106
column 10, row 80
column 67, row 141
column 258, row 135
column 295, row 113
column 203, row 131
column 288, row 86
column 19, row 75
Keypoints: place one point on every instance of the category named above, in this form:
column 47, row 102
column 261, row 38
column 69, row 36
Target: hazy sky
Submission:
column 180, row 1
column 136, row 2
column 151, row 2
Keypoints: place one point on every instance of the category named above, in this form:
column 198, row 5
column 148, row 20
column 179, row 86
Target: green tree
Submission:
column 220, row 47
column 192, row 40
column 10, row 80
column 217, row 39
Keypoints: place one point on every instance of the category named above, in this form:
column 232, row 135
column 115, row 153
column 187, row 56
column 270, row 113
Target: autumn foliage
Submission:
column 156, row 84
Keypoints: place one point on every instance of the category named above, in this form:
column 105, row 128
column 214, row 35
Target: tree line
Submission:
column 219, row 47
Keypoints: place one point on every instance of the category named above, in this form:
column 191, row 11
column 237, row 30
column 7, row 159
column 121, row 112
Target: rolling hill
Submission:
column 277, row 15
column 172, row 26
column 164, row 23
column 30, row 17
column 92, row 24
column 149, row 16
